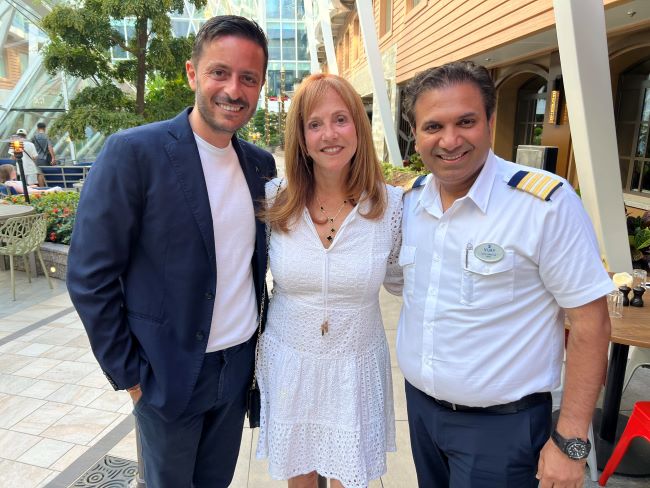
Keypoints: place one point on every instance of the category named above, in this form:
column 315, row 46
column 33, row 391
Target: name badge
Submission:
column 489, row 252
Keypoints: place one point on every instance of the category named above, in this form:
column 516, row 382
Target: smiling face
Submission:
column 453, row 135
column 227, row 79
column 330, row 134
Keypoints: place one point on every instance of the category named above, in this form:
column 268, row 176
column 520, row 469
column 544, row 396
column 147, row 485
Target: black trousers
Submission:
column 200, row 449
column 454, row 449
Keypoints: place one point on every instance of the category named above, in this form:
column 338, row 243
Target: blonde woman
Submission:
column 323, row 365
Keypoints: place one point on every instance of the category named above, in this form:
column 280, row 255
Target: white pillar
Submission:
column 326, row 26
column 311, row 36
column 66, row 106
column 582, row 40
column 371, row 45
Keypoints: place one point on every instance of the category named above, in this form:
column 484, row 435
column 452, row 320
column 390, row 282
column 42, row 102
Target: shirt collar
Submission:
column 479, row 193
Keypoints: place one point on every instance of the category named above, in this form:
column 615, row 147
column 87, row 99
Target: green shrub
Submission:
column 59, row 208
column 400, row 176
column 638, row 230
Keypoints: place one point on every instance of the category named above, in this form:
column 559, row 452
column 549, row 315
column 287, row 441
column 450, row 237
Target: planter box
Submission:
column 55, row 257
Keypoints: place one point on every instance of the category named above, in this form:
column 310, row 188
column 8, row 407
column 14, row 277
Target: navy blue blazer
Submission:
column 142, row 272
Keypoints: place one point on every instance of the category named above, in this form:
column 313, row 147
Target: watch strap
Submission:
column 565, row 445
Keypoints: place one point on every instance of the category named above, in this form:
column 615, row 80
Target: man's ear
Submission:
column 414, row 138
column 191, row 74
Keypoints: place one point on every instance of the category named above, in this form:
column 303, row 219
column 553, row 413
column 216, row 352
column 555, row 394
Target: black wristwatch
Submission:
column 575, row 448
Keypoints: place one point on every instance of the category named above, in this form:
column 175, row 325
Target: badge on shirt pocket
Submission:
column 488, row 278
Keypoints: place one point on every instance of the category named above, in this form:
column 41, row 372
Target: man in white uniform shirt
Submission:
column 494, row 254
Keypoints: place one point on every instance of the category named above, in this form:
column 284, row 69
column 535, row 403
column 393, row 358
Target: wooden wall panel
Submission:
column 448, row 30
column 463, row 29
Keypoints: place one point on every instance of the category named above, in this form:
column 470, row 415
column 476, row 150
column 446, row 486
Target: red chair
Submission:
column 637, row 426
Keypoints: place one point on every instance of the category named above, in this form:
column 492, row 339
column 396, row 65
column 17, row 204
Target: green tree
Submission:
column 257, row 126
column 81, row 35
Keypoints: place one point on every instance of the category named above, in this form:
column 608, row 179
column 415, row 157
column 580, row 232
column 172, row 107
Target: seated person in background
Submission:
column 8, row 179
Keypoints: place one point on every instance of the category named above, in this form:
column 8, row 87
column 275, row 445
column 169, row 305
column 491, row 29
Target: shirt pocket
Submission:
column 407, row 262
column 487, row 285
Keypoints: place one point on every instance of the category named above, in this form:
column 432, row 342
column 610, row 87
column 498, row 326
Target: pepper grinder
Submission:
column 626, row 291
column 637, row 300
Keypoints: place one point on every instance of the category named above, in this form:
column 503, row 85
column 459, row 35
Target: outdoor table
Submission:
column 8, row 211
column 632, row 329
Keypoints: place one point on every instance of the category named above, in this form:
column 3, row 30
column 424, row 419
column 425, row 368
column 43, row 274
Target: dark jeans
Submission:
column 454, row 449
column 200, row 448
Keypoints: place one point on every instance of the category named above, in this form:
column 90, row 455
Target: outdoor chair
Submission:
column 639, row 358
column 18, row 237
column 637, row 426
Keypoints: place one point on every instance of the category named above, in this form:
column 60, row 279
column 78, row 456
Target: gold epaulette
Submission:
column 415, row 183
column 540, row 185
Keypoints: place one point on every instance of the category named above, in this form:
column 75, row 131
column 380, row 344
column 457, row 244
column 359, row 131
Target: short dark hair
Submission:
column 447, row 75
column 230, row 25
column 41, row 125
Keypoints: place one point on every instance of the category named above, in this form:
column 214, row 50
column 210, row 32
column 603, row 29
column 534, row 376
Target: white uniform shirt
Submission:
column 478, row 333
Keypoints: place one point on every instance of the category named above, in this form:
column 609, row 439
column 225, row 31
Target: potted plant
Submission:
column 638, row 230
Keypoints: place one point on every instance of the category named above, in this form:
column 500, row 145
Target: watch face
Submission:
column 576, row 449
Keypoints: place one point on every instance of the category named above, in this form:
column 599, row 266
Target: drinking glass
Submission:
column 615, row 304
column 639, row 278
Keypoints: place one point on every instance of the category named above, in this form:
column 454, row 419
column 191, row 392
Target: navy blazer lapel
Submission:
column 184, row 158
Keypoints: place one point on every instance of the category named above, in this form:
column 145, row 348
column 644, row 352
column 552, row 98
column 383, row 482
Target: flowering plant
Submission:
column 59, row 209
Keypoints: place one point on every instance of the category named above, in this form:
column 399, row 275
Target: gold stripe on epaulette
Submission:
column 540, row 185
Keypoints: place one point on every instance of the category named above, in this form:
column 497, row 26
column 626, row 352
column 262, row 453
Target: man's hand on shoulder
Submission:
column 556, row 470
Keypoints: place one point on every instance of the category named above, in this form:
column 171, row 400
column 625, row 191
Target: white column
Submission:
column 371, row 45
column 582, row 40
column 326, row 26
column 311, row 36
column 66, row 105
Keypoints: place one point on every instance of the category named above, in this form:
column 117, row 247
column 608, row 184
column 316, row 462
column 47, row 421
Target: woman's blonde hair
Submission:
column 365, row 180
column 5, row 172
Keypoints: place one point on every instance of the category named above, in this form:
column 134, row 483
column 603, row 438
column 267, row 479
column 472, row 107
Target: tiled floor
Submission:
column 58, row 415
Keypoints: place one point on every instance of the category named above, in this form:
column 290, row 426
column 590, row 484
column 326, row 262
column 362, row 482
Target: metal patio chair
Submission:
column 18, row 237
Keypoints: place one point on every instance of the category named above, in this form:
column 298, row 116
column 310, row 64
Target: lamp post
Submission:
column 281, row 114
column 18, row 147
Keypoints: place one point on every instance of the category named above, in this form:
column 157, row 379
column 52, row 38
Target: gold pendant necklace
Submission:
column 330, row 221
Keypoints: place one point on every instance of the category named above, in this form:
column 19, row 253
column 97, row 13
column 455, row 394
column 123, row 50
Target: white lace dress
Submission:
column 327, row 400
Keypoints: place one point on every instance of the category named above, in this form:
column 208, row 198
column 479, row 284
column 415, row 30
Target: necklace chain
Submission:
column 330, row 220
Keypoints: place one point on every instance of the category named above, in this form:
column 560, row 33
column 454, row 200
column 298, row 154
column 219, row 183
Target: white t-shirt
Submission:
column 234, row 318
column 29, row 156
column 484, row 333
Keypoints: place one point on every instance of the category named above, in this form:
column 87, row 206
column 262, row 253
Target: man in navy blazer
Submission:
column 167, row 263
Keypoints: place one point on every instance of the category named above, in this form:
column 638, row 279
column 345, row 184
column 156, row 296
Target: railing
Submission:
column 65, row 176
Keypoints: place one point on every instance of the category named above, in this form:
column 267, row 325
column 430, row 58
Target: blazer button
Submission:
column 209, row 296
column 199, row 336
